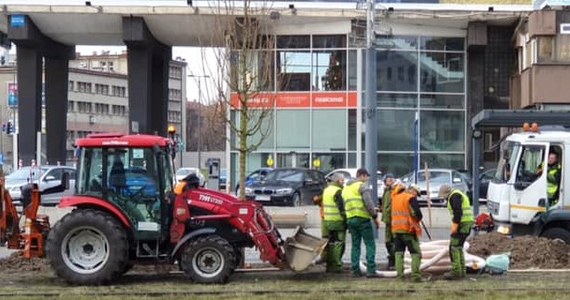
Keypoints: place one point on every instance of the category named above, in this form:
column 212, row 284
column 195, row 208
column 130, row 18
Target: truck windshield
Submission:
column 507, row 161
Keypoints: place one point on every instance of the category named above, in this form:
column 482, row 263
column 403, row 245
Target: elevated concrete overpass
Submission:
column 48, row 32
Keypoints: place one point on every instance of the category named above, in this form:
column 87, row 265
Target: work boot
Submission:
column 450, row 276
column 416, row 262
column 399, row 265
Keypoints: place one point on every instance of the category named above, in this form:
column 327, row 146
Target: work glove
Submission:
column 454, row 228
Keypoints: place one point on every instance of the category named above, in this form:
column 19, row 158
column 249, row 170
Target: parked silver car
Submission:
column 45, row 177
column 437, row 178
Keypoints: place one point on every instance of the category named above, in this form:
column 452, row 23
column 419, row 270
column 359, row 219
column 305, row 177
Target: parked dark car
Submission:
column 255, row 177
column 289, row 186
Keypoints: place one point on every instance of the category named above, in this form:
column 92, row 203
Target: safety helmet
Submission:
column 192, row 180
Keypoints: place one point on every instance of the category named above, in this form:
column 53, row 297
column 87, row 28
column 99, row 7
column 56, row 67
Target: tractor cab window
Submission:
column 127, row 177
column 530, row 165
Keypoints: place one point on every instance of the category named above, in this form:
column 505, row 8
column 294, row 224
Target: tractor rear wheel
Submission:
column 208, row 259
column 88, row 247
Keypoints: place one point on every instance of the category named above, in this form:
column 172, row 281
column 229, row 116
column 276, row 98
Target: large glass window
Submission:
column 397, row 43
column 352, row 70
column 398, row 164
column 442, row 101
column 442, row 43
column 329, row 129
column 292, row 129
column 396, row 71
column 442, row 72
column 352, row 129
column 293, row 41
column 329, row 70
column 294, row 70
column 255, row 70
column 397, row 100
column 396, row 130
column 330, row 161
column 329, row 41
column 446, row 161
column 442, row 130
column 264, row 136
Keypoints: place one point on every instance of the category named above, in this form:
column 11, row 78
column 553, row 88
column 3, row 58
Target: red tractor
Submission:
column 125, row 212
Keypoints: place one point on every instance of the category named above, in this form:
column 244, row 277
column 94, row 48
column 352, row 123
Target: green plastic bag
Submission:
column 498, row 263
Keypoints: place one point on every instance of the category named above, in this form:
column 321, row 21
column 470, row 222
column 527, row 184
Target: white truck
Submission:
column 517, row 196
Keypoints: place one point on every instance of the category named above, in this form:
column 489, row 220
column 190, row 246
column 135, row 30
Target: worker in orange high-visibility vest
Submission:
column 406, row 217
column 190, row 181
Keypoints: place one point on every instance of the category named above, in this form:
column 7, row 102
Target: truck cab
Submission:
column 517, row 197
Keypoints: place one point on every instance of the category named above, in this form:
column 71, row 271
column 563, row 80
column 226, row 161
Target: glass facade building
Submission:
column 318, row 82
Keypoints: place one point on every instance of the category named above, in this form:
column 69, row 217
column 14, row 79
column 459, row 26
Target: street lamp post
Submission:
column 199, row 78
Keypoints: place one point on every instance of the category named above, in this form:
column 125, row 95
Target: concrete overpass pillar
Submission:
column 32, row 46
column 148, row 63
column 56, row 88
column 29, row 70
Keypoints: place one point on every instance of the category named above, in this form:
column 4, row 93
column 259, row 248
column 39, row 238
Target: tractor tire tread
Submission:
column 117, row 239
column 218, row 242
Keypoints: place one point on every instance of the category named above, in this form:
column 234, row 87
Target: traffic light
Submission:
column 9, row 128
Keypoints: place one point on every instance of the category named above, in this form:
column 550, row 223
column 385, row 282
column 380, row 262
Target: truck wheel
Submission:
column 557, row 233
column 88, row 247
column 208, row 259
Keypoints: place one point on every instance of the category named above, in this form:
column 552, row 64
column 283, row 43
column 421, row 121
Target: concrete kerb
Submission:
column 309, row 217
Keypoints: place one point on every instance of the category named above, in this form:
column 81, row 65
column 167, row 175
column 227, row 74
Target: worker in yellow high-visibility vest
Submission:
column 334, row 220
column 462, row 220
column 360, row 213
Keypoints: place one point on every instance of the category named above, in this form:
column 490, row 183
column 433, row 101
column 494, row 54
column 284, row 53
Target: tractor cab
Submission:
column 133, row 174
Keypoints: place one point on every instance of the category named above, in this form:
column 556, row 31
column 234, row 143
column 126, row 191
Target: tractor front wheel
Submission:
column 88, row 247
column 208, row 259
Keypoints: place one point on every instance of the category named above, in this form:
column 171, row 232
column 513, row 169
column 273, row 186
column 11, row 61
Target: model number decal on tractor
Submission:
column 209, row 199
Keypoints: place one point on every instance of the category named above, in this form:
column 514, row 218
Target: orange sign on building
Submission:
column 300, row 100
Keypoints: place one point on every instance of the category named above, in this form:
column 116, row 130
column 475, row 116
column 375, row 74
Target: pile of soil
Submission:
column 527, row 252
column 16, row 263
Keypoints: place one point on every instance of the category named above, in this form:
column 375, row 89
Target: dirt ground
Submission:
column 16, row 263
column 526, row 251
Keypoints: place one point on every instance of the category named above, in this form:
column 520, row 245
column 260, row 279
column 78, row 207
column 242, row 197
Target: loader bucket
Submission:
column 302, row 248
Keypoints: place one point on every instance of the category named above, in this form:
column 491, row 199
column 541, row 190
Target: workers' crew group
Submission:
column 350, row 206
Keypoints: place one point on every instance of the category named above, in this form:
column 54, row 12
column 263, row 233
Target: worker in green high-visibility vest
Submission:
column 462, row 220
column 360, row 214
column 334, row 220
column 553, row 176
